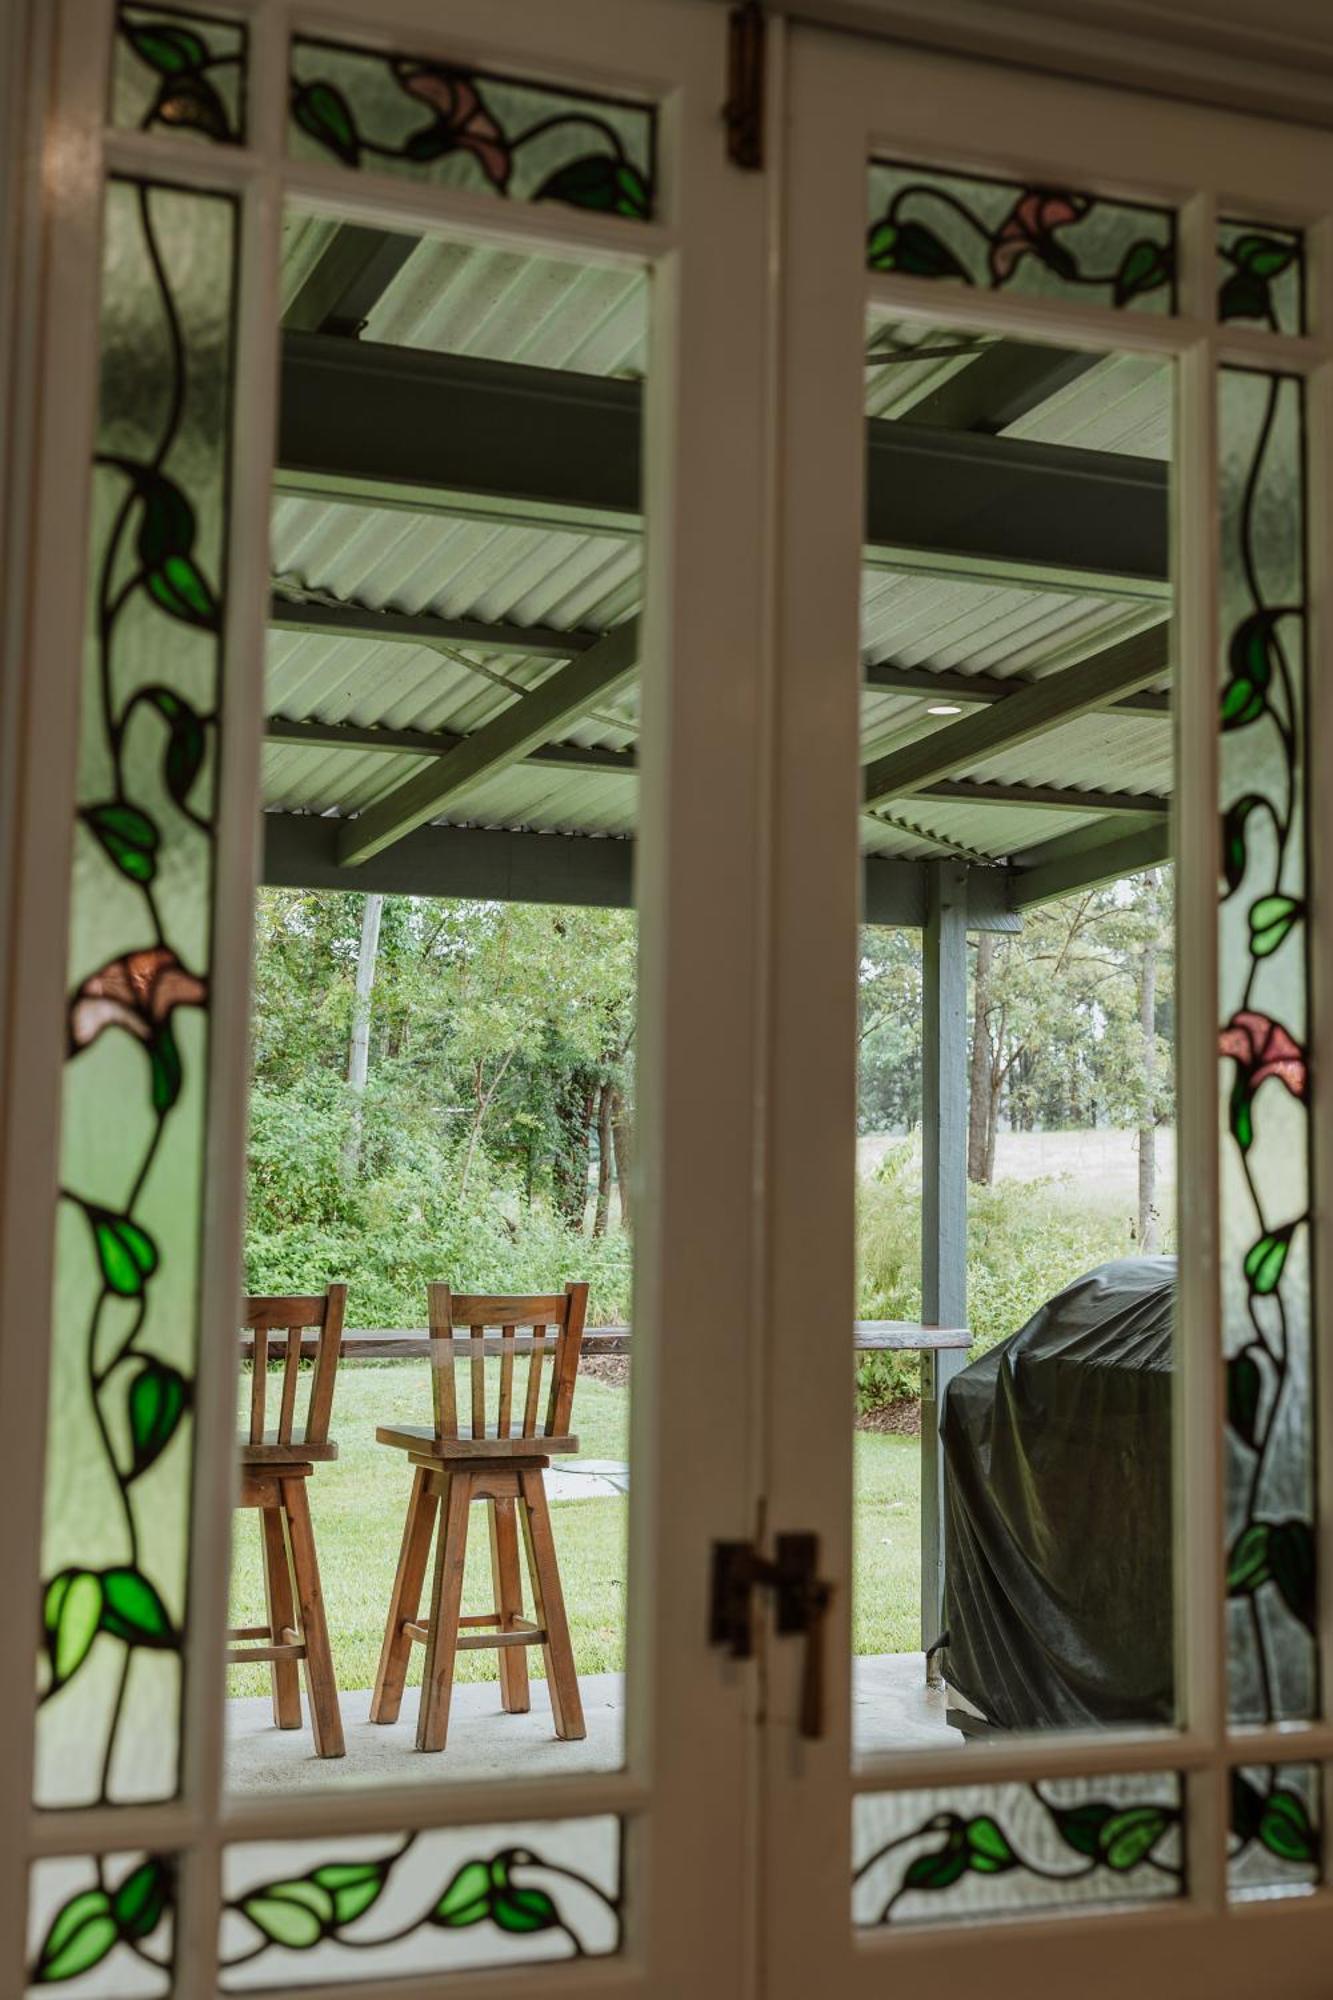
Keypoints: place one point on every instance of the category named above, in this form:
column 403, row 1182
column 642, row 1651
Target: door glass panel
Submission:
column 106, row 1922
column 457, row 126
column 303, row 1913
column 1261, row 275
column 1052, row 242
column 117, row 1515
column 947, row 1855
column 1015, row 1154
column 1264, row 1043
column 450, row 800
column 180, row 72
column 1276, row 1831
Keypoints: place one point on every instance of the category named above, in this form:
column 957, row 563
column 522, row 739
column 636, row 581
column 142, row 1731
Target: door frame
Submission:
column 686, row 1795
column 847, row 99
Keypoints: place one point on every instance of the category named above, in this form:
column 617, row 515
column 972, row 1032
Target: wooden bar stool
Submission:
column 503, row 1467
column 275, row 1465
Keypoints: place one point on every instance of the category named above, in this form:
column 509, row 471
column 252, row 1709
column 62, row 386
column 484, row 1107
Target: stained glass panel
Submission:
column 180, row 72
column 116, row 1523
column 105, row 1922
column 460, row 127
column 1261, row 275
column 980, row 1850
column 1052, row 242
column 1265, row 1177
column 1275, row 1830
column 316, row 1912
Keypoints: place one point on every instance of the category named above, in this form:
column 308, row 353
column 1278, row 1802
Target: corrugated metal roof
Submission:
column 500, row 304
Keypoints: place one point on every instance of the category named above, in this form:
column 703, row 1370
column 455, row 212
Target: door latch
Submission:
column 801, row 1600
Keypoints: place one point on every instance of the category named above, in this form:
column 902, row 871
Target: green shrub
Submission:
column 1025, row 1241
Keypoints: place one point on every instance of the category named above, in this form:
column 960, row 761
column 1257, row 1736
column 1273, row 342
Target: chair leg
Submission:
column 508, row 1585
column 281, row 1617
column 437, row 1681
column 561, row 1675
column 391, row 1676
column 321, row 1686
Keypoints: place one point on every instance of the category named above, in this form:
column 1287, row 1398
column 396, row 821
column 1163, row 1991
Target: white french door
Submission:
column 179, row 151
column 928, row 193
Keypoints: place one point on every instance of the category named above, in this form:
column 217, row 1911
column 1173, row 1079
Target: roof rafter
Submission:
column 525, row 725
column 425, row 628
column 1037, row 707
column 1088, row 859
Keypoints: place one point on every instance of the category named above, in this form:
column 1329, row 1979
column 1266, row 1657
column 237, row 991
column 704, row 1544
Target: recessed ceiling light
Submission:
column 945, row 708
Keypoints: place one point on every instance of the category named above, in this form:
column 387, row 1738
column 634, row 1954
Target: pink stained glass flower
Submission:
column 137, row 993
column 465, row 123
column 1029, row 226
column 1263, row 1048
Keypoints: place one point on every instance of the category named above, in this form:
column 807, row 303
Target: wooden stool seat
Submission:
column 455, row 1466
column 275, row 1465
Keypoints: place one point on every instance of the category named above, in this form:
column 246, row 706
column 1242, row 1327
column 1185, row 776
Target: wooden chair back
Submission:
column 510, row 1328
column 277, row 1326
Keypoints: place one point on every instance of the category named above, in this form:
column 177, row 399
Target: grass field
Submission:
column 358, row 1505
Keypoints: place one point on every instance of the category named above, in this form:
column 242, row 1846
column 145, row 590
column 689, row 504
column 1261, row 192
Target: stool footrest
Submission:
column 525, row 1633
column 239, row 1656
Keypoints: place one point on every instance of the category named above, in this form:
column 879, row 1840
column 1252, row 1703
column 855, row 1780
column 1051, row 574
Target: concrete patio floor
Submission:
column 892, row 1709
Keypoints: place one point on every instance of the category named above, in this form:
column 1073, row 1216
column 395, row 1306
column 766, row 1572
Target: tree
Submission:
column 358, row 1054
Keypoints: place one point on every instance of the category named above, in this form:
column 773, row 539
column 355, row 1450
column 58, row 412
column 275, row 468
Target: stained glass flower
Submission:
column 462, row 122
column 137, row 992
column 1260, row 1048
column 1030, row 226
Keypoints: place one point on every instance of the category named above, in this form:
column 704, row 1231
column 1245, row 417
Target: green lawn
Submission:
column 359, row 1501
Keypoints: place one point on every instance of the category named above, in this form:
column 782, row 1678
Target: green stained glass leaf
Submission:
column 1242, row 1112
column 1080, row 1827
column 989, row 1853
column 1128, row 1837
column 1266, row 256
column 165, row 1068
column 1250, row 661
column 1284, row 1827
column 164, row 46
column 1291, row 1560
column 913, row 249
column 128, row 836
column 1244, row 295
column 80, row 1937
column 517, row 1909
column 293, row 1914
column 1247, row 1807
column 1144, row 266
column 1272, row 919
column 185, row 742
column 127, row 1254
column 599, row 181
column 72, row 1618
column 353, row 1885
column 179, row 587
column 157, row 1401
column 1247, row 1565
column 321, row 110
column 132, row 1609
column 467, row 1900
column 939, row 1870
column 139, row 1903
column 1244, row 1388
column 1234, row 854
column 166, row 524
column 1265, row 1260
column 192, row 104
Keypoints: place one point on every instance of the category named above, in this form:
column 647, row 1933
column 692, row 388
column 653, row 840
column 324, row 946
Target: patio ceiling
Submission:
column 453, row 645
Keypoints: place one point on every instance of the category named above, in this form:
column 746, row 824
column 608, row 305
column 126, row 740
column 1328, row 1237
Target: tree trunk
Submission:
column 575, row 1105
column 981, row 1111
column 602, row 1213
column 358, row 1053
column 1148, row 1237
column 621, row 1139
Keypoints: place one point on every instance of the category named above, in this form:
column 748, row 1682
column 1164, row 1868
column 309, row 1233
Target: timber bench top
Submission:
column 389, row 1343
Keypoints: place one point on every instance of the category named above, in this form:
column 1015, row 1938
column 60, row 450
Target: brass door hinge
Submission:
column 744, row 109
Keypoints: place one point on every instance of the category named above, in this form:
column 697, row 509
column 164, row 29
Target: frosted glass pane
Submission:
column 981, row 1850
column 104, row 1922
column 118, row 1477
column 1275, row 1830
column 1265, row 1177
column 1261, row 275
column 314, row 1912
column 1003, row 235
column 179, row 72
column 460, row 127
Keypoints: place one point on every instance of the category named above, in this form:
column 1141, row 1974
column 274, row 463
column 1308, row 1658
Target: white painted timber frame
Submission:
column 849, row 100
column 686, row 1794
